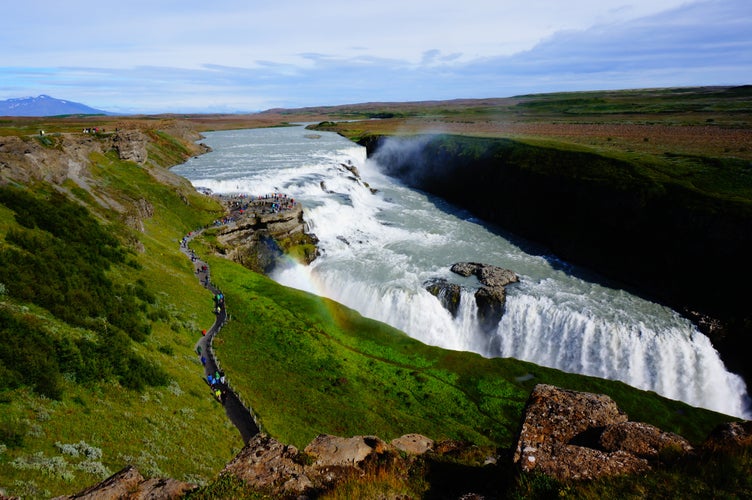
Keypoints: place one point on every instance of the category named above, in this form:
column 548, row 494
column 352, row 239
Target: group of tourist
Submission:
column 239, row 204
column 218, row 386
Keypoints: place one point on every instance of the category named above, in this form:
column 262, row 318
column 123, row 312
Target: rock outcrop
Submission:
column 355, row 177
column 448, row 293
column 267, row 465
column 642, row 440
column 730, row 435
column 130, row 145
column 129, row 484
column 577, row 435
column 253, row 238
column 490, row 298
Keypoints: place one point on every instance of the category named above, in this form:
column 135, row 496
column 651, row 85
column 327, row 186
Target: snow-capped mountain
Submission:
column 45, row 105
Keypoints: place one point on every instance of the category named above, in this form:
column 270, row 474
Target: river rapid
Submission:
column 377, row 250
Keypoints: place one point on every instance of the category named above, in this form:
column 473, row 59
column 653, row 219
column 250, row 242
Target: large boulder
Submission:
column 413, row 444
column 642, row 440
column 560, row 432
column 490, row 298
column 327, row 450
column 269, row 465
column 729, row 436
column 449, row 294
column 491, row 276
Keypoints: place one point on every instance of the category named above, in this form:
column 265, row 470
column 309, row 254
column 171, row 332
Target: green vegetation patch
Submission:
column 307, row 365
column 99, row 316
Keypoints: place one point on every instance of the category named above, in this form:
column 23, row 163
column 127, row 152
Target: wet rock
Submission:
column 351, row 168
column 448, row 293
column 491, row 297
column 491, row 276
column 491, row 303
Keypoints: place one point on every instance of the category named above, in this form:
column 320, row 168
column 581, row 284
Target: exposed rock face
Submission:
column 270, row 466
column 448, row 293
column 61, row 157
column 130, row 145
column 141, row 211
column 729, row 436
column 130, row 484
column 560, row 433
column 641, row 440
column 252, row 239
column 490, row 298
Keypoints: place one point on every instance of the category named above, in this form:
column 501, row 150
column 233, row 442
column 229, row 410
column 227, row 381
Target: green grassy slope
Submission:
column 308, row 365
column 104, row 416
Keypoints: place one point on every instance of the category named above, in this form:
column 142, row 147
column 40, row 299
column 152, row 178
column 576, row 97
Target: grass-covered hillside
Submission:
column 100, row 313
column 98, row 321
column 308, row 365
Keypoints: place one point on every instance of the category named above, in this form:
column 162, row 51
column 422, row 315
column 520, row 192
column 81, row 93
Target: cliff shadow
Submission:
column 530, row 247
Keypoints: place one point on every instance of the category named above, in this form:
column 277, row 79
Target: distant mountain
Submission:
column 45, row 105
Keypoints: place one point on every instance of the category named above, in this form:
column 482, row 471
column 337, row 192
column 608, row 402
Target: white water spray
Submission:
column 379, row 249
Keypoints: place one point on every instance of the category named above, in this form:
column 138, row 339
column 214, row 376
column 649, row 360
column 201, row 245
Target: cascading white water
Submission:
column 377, row 250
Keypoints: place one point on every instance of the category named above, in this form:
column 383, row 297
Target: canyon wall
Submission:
column 653, row 234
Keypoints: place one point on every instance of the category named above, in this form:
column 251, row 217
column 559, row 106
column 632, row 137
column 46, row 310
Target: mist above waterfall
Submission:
column 377, row 250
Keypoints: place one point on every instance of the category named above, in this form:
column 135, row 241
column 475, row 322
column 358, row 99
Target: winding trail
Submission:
column 241, row 416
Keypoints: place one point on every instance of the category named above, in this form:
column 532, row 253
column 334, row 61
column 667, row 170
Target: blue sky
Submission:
column 246, row 55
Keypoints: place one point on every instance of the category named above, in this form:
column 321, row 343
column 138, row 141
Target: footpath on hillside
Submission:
column 236, row 411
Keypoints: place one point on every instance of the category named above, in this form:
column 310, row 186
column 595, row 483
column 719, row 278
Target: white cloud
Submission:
column 182, row 56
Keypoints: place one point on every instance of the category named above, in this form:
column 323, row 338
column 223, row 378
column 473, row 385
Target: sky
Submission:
column 156, row 56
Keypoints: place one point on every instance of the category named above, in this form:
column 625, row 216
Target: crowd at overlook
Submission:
column 244, row 204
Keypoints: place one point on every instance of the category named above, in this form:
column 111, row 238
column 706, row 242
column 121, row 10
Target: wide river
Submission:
column 378, row 248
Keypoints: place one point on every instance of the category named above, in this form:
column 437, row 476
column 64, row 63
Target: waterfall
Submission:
column 377, row 250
